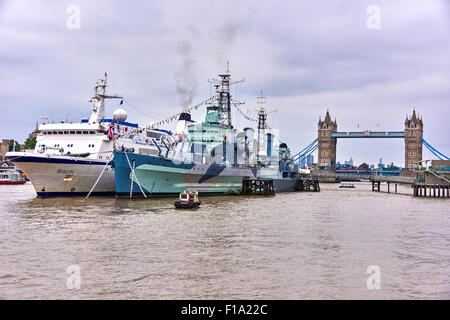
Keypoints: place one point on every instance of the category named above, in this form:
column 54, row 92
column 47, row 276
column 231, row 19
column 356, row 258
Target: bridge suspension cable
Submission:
column 306, row 151
column 300, row 156
column 304, row 156
column 311, row 145
column 438, row 154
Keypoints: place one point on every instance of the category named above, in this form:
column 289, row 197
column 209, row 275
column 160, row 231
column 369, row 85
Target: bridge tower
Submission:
column 327, row 144
column 413, row 145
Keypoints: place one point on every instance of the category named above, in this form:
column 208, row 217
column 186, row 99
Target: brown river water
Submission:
column 290, row 246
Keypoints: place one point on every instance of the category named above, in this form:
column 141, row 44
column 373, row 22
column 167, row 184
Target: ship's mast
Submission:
column 223, row 97
column 98, row 109
column 262, row 117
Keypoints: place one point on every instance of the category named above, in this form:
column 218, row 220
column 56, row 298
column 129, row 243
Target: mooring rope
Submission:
column 98, row 179
column 133, row 177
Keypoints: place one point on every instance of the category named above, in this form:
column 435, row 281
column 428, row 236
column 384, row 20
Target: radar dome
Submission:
column 120, row 115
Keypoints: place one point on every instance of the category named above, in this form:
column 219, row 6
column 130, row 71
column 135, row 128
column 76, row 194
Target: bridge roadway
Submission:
column 367, row 177
column 369, row 134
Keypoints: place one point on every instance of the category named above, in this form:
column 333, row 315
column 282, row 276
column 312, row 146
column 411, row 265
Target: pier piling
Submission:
column 307, row 184
column 431, row 190
column 258, row 187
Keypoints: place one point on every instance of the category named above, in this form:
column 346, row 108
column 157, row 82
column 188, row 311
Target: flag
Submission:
column 111, row 130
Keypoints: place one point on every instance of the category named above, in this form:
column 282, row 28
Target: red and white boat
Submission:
column 9, row 175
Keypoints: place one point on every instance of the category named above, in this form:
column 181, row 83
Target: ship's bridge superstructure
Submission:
column 217, row 127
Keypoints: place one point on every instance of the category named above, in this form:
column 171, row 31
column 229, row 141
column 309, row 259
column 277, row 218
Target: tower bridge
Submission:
column 328, row 135
column 369, row 134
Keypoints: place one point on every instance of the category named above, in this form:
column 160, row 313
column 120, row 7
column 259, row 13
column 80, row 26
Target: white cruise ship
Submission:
column 69, row 158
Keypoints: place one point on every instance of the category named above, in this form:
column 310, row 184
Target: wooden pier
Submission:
column 307, row 184
column 431, row 190
column 265, row 187
column 262, row 187
column 440, row 189
column 376, row 186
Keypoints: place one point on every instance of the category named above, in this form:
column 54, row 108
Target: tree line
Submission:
column 30, row 143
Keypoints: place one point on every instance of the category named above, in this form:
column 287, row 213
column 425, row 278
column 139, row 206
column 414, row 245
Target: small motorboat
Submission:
column 9, row 175
column 188, row 200
column 347, row 185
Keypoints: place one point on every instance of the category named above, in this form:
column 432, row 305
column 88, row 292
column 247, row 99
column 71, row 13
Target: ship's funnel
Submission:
column 183, row 122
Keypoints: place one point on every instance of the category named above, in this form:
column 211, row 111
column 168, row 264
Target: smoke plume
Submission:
column 223, row 38
column 185, row 77
column 215, row 45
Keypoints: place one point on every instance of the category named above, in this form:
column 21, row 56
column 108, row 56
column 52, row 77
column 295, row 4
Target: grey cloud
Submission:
column 305, row 55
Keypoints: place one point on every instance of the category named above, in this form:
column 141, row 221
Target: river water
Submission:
column 290, row 246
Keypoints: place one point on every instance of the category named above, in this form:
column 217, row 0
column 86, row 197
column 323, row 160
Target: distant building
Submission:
column 349, row 163
column 363, row 166
column 346, row 164
column 35, row 132
column 306, row 162
column 313, row 166
column 327, row 144
column 302, row 163
column 413, row 143
column 440, row 165
column 4, row 147
column 380, row 164
column 392, row 166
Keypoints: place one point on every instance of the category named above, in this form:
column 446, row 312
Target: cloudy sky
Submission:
column 307, row 56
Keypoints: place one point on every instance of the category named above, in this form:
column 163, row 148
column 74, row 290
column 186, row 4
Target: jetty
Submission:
column 258, row 186
column 433, row 181
column 308, row 184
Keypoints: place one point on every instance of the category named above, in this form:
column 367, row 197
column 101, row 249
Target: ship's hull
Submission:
column 12, row 182
column 64, row 176
column 162, row 177
column 284, row 185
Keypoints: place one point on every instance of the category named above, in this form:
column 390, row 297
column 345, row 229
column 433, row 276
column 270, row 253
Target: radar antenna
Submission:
column 98, row 109
column 223, row 97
